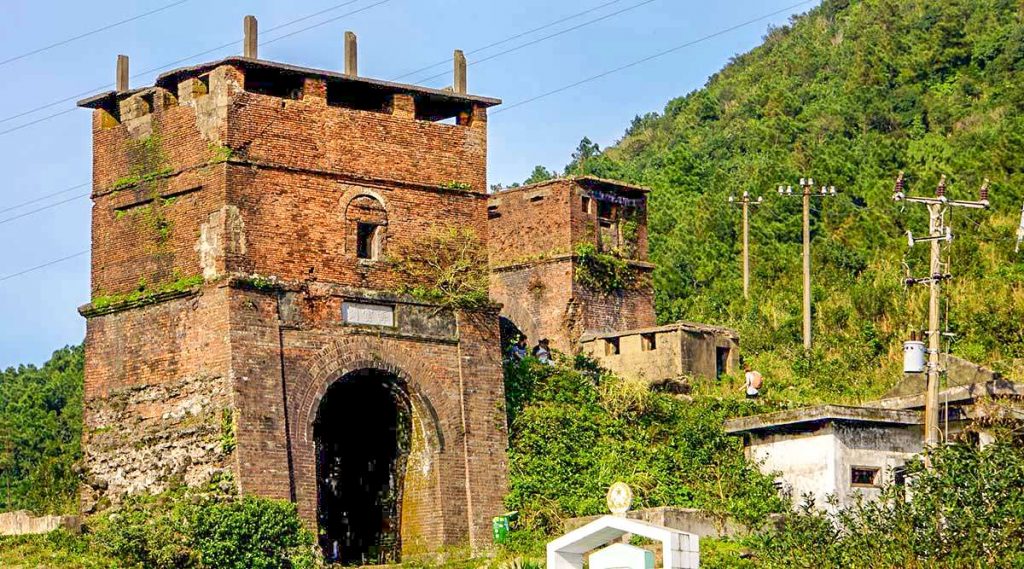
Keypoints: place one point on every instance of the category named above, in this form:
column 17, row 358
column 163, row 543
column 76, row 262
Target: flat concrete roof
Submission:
column 170, row 79
column 822, row 414
column 684, row 326
column 958, row 394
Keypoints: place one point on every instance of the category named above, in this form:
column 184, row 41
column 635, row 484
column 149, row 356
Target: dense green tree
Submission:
column 539, row 174
column 40, row 433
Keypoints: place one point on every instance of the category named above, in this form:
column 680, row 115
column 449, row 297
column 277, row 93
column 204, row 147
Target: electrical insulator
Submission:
column 940, row 191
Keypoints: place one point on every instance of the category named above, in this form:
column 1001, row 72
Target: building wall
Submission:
column 678, row 352
column 298, row 225
column 806, row 463
column 155, row 394
column 885, row 448
column 530, row 224
column 536, row 299
column 155, row 177
column 309, row 134
column 634, row 362
column 456, row 479
column 600, row 312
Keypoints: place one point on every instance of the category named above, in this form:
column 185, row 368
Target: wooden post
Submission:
column 122, row 73
column 351, row 55
column 460, row 72
column 250, row 44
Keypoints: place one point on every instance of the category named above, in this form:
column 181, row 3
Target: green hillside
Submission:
column 849, row 94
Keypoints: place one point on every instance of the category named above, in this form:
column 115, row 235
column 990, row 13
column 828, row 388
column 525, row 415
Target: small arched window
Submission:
column 366, row 223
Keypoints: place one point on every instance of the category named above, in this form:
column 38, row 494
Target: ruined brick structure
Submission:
column 535, row 235
column 242, row 212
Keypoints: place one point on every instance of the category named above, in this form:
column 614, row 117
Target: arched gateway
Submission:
column 363, row 434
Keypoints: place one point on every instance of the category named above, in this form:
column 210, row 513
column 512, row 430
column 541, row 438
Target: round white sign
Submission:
column 620, row 498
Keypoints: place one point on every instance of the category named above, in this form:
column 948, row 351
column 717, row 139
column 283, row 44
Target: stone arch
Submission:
column 364, row 207
column 338, row 360
column 521, row 318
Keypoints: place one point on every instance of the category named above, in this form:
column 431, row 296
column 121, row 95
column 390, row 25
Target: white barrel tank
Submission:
column 913, row 356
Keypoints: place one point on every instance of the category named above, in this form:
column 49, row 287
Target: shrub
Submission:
column 251, row 533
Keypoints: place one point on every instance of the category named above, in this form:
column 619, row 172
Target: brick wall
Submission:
column 529, row 224
column 533, row 234
column 155, row 392
column 536, row 298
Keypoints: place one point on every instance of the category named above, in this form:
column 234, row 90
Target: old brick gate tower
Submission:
column 244, row 321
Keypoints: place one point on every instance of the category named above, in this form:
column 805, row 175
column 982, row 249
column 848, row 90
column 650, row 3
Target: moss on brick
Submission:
column 144, row 294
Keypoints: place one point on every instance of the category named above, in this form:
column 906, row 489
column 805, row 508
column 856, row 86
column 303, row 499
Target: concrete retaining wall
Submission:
column 24, row 523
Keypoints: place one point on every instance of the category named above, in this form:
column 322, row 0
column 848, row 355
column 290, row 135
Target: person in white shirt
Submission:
column 753, row 382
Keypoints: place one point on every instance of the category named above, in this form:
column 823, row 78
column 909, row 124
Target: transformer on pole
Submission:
column 938, row 234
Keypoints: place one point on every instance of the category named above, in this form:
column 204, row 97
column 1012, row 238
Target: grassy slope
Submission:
column 850, row 93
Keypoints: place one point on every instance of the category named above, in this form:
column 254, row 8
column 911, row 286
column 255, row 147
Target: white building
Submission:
column 831, row 450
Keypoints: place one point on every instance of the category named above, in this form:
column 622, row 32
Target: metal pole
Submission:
column 746, row 246
column 931, row 402
column 807, row 266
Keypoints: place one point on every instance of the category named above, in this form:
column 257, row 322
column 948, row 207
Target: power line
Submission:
column 650, row 57
column 178, row 61
column 508, row 39
column 44, row 208
column 545, row 38
column 325, row 22
column 89, row 33
column 43, row 266
column 41, row 198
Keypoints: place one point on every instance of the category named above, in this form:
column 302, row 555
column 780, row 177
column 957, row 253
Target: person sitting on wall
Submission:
column 542, row 351
column 753, row 382
column 518, row 350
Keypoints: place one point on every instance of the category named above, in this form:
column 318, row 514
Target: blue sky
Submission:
column 38, row 310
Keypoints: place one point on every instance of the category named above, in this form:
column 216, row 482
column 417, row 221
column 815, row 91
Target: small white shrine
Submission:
column 680, row 550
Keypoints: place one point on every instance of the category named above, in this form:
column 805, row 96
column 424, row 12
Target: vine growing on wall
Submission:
column 603, row 272
column 447, row 267
column 147, row 169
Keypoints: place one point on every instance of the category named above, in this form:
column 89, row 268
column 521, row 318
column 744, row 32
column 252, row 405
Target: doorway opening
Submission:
column 362, row 434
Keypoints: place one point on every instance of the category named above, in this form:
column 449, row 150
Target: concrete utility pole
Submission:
column 746, row 203
column 1020, row 231
column 807, row 185
column 938, row 232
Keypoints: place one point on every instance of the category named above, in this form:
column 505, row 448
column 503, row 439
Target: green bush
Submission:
column 252, row 533
column 179, row 529
column 574, row 430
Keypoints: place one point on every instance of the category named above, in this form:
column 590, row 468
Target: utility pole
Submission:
column 807, row 186
column 1020, row 231
column 746, row 203
column 938, row 232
